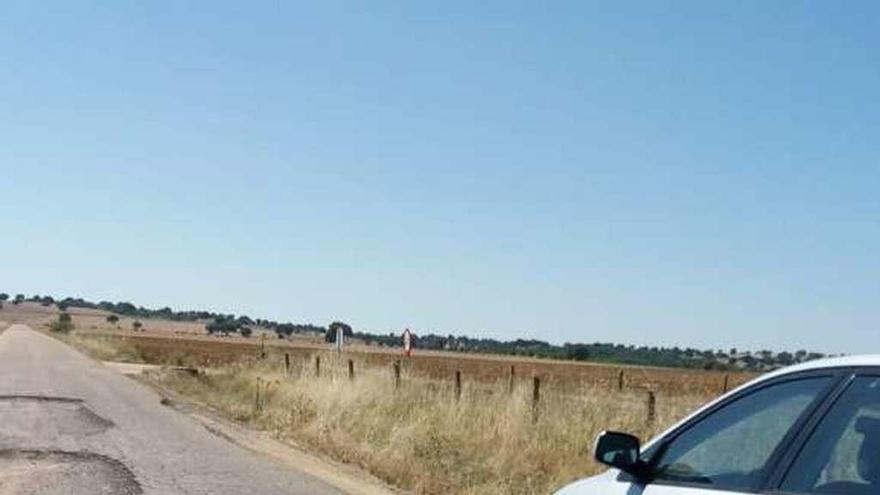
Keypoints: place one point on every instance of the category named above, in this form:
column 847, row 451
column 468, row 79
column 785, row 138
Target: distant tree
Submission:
column 224, row 325
column 578, row 352
column 246, row 331
column 284, row 330
column 785, row 358
column 715, row 365
column 4, row 296
column 125, row 308
column 62, row 305
column 137, row 325
column 213, row 327
column 64, row 324
column 113, row 319
column 330, row 335
column 19, row 298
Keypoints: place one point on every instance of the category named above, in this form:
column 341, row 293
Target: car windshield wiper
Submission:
column 681, row 473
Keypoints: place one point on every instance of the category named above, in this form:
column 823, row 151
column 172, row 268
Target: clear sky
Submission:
column 698, row 173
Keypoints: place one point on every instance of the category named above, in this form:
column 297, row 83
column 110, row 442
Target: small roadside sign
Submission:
column 407, row 342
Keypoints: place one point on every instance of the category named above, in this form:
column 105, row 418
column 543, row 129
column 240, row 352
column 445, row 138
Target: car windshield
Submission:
column 730, row 447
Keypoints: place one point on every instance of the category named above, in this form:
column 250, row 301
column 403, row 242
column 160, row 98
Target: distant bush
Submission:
column 330, row 334
column 229, row 324
column 137, row 326
column 112, row 319
column 64, row 324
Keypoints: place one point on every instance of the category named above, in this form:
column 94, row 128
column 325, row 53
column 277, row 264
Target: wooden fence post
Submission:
column 536, row 397
column 620, row 381
column 457, row 385
column 286, row 363
column 262, row 346
column 652, row 407
column 726, row 383
column 317, row 366
column 257, row 396
column 350, row 369
column 511, row 380
column 396, row 374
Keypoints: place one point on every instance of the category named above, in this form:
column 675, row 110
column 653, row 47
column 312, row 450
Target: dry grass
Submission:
column 418, row 437
column 104, row 348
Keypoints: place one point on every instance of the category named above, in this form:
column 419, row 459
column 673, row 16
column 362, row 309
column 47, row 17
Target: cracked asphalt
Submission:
column 69, row 425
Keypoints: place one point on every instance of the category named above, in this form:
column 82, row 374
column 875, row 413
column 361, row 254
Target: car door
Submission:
column 841, row 454
column 731, row 447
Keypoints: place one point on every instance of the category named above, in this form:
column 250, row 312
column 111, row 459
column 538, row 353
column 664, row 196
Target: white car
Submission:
column 809, row 428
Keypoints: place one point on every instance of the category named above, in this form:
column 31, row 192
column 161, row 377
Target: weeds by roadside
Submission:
column 417, row 436
column 103, row 348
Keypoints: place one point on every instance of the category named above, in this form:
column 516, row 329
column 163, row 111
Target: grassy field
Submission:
column 418, row 436
column 419, row 433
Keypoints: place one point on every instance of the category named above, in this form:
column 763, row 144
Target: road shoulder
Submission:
column 344, row 477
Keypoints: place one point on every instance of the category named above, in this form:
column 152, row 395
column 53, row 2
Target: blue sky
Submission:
column 678, row 173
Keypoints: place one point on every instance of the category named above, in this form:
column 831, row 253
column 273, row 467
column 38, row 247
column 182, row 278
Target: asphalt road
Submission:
column 69, row 425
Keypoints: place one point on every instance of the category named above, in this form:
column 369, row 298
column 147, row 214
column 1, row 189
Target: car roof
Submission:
column 827, row 363
column 867, row 360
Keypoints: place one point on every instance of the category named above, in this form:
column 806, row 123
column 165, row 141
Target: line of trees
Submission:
column 226, row 324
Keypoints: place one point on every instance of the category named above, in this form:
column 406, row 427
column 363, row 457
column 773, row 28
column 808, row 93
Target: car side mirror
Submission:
column 621, row 451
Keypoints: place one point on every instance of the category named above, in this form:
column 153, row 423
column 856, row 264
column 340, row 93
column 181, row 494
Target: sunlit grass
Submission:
column 419, row 437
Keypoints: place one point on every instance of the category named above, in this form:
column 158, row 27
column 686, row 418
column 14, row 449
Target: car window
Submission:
column 842, row 455
column 729, row 448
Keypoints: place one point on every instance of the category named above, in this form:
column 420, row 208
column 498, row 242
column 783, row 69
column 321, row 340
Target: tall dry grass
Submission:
column 102, row 348
column 418, row 436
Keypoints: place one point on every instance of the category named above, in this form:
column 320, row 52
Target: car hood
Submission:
column 597, row 485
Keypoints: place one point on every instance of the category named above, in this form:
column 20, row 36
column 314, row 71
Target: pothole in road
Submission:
column 49, row 472
column 29, row 418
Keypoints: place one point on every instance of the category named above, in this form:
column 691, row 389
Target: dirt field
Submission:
column 171, row 342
